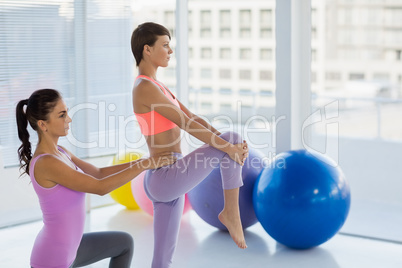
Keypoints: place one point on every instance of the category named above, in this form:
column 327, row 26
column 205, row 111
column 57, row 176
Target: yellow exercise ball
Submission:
column 124, row 195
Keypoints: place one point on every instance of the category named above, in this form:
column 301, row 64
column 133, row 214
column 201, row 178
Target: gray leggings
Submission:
column 96, row 246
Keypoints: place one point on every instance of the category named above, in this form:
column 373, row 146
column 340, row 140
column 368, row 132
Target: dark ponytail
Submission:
column 24, row 151
column 38, row 107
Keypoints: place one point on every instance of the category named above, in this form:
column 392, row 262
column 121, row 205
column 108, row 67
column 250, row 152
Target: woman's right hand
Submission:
column 238, row 152
column 158, row 161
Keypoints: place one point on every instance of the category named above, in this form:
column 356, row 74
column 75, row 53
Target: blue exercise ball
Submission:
column 207, row 201
column 301, row 199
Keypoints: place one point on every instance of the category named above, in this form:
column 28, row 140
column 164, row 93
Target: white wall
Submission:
column 18, row 201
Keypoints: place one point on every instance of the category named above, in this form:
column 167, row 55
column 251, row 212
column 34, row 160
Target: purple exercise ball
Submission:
column 207, row 197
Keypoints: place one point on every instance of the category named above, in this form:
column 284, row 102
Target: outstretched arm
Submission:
column 97, row 172
column 51, row 169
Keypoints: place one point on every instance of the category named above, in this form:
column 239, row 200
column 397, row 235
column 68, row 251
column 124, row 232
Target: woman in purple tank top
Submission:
column 61, row 180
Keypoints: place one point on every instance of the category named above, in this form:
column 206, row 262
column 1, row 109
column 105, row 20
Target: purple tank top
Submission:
column 63, row 217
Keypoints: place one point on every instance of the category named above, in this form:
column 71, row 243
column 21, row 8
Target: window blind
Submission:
column 82, row 49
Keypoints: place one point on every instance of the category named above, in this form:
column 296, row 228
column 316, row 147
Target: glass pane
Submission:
column 239, row 70
column 109, row 76
column 357, row 88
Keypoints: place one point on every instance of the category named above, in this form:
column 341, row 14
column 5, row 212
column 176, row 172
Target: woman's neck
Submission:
column 47, row 145
column 147, row 70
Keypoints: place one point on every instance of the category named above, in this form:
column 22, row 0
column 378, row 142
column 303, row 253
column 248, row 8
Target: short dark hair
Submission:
column 146, row 34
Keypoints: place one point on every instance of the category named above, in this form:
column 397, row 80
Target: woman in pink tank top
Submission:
column 61, row 180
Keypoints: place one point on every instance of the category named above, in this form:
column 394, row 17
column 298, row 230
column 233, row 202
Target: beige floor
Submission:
column 201, row 245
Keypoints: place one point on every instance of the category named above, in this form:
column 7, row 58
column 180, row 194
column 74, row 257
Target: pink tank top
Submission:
column 63, row 218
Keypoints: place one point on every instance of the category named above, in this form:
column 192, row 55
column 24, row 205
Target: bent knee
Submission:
column 125, row 239
column 232, row 137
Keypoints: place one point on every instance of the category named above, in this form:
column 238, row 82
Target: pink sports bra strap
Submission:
column 159, row 84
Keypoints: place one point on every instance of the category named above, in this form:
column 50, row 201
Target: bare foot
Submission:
column 233, row 224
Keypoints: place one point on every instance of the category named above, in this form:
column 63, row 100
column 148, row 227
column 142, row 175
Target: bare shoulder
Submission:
column 48, row 162
column 145, row 94
column 46, row 167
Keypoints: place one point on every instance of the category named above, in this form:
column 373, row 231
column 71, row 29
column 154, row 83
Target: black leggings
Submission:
column 96, row 246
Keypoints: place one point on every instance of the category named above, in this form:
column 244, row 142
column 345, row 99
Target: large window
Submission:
column 358, row 92
column 77, row 47
column 239, row 70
